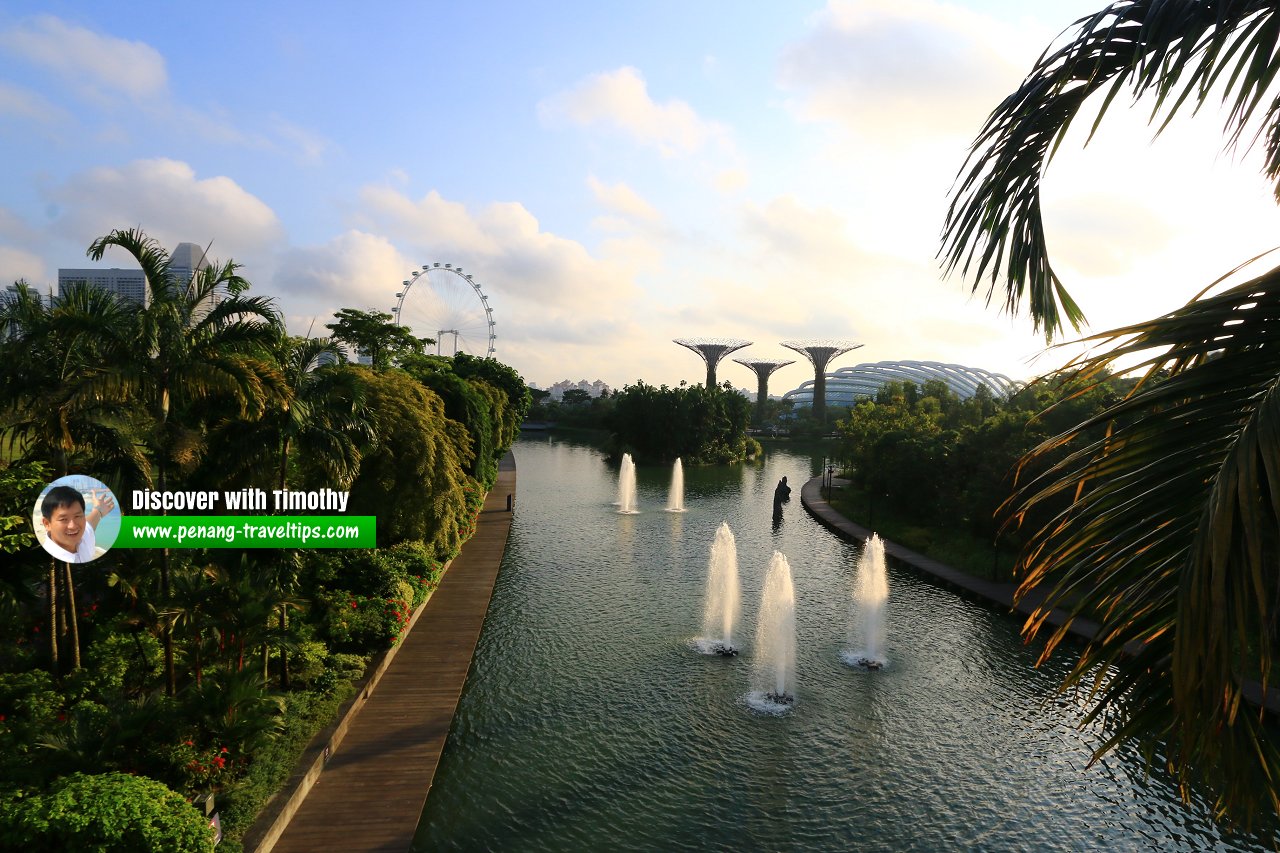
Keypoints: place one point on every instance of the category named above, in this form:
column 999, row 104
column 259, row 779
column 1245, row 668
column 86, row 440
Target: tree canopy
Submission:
column 373, row 334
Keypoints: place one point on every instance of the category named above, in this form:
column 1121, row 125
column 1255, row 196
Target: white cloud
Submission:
column 308, row 146
column 503, row 242
column 17, row 264
column 795, row 268
column 901, row 67
column 170, row 203
column 1137, row 228
column 26, row 105
column 623, row 199
column 620, row 100
column 556, row 303
column 355, row 269
column 732, row 180
column 101, row 69
column 97, row 66
column 787, row 232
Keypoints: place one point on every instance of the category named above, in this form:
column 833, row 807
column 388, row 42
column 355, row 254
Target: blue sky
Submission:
column 615, row 175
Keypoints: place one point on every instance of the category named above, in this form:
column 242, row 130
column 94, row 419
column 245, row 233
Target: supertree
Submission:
column 712, row 350
column 763, row 368
column 820, row 352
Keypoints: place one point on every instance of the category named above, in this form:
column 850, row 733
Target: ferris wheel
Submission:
column 441, row 303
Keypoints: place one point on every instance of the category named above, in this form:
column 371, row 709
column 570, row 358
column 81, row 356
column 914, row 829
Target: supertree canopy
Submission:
column 763, row 368
column 712, row 350
column 820, row 351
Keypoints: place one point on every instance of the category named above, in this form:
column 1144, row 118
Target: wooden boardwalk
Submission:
column 374, row 785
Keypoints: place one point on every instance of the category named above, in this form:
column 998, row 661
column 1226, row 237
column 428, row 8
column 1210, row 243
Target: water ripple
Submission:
column 590, row 721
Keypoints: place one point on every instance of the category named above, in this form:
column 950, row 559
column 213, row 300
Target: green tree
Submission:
column 52, row 413
column 465, row 403
column 501, row 376
column 414, row 480
column 697, row 424
column 1171, row 537
column 373, row 334
column 48, row 406
column 315, row 428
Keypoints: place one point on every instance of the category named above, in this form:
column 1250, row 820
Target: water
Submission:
column 870, row 592
column 724, row 600
column 675, row 498
column 775, row 652
column 627, row 486
column 587, row 722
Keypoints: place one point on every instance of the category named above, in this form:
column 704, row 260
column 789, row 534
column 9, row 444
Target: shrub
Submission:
column 30, row 709
column 340, row 669
column 118, row 663
column 361, row 571
column 307, row 661
column 356, row 623
column 306, row 713
column 111, row 812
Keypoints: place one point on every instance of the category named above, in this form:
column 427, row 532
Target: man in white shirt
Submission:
column 70, row 532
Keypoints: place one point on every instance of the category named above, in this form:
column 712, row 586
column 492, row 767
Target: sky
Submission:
column 613, row 175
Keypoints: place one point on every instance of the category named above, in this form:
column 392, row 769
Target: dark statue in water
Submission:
column 781, row 495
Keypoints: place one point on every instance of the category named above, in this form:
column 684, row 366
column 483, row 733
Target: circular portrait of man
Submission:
column 76, row 518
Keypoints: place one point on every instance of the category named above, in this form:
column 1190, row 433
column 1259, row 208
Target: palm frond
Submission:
column 1171, row 539
column 1180, row 53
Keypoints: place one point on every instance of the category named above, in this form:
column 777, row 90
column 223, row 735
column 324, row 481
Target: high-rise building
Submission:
column 124, row 283
column 11, row 293
column 185, row 260
column 131, row 284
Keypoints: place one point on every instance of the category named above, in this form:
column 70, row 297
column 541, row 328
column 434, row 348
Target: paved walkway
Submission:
column 989, row 591
column 374, row 785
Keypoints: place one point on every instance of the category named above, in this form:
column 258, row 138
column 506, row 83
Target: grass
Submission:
column 953, row 546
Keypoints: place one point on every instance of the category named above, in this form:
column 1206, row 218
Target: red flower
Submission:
column 353, row 605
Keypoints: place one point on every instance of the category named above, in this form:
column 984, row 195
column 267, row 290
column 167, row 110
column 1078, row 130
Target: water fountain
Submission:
column 675, row 499
column 775, row 650
column 627, row 486
column 721, row 610
column 870, row 591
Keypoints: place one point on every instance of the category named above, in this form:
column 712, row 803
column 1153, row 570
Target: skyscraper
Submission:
column 129, row 284
column 185, row 260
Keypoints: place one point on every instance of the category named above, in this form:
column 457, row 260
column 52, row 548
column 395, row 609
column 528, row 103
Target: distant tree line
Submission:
column 696, row 424
column 922, row 451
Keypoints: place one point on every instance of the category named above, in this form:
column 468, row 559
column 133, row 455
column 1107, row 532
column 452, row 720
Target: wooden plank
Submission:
column 373, row 788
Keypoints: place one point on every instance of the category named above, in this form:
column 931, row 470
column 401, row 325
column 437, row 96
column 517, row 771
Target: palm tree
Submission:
column 1171, row 540
column 192, row 342
column 319, row 426
column 321, row 417
column 46, row 414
